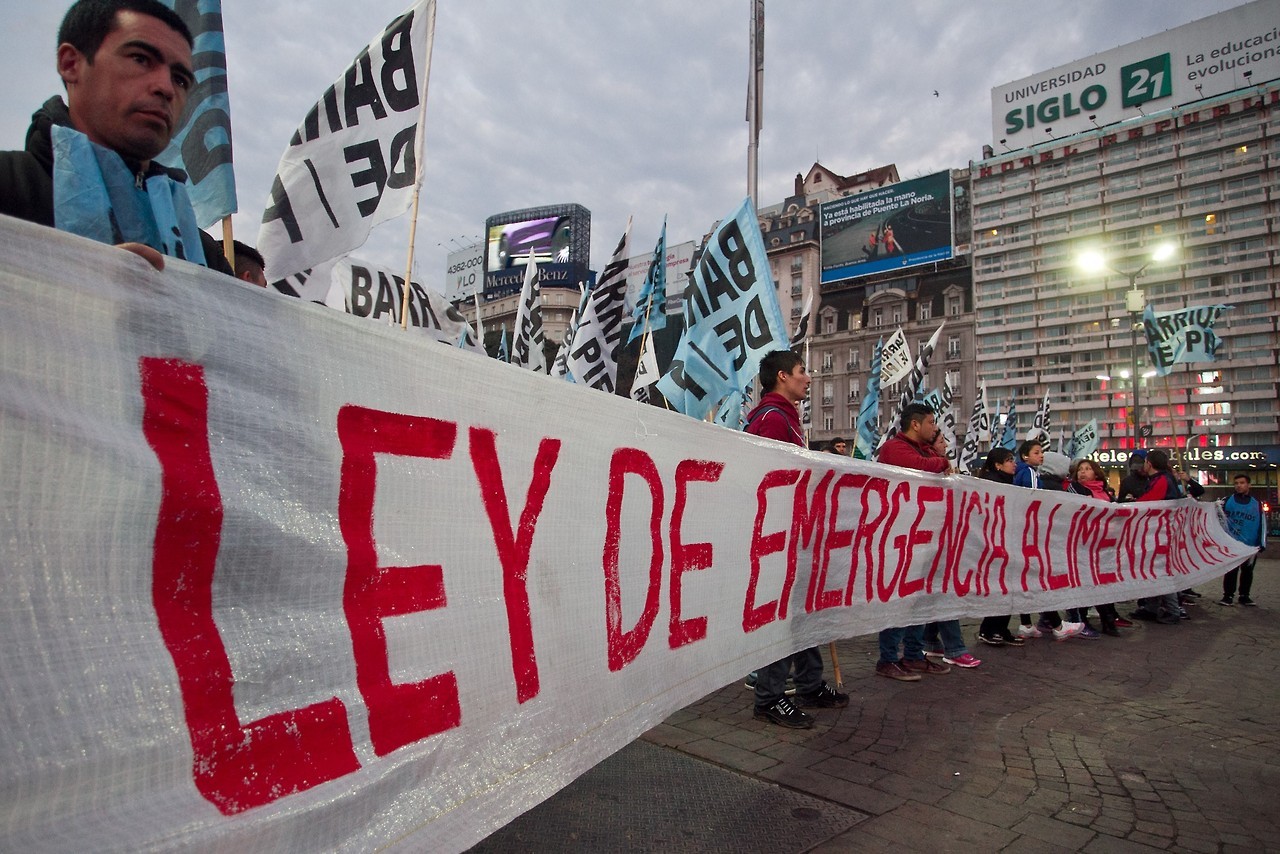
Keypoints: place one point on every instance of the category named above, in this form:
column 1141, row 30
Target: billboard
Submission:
column 464, row 273
column 902, row 225
column 558, row 237
column 679, row 262
column 1202, row 59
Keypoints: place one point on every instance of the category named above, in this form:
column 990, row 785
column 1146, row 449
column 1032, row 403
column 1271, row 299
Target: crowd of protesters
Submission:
column 909, row 653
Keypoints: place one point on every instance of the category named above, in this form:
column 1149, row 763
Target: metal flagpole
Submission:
column 755, row 103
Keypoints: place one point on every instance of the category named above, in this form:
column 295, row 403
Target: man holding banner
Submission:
column 785, row 382
column 88, row 167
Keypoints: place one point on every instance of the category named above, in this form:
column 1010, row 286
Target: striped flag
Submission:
column 864, row 444
column 651, row 306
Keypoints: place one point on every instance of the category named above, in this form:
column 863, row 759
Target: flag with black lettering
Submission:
column 1085, row 441
column 528, row 342
column 1184, row 335
column 864, row 444
column 650, row 312
column 915, row 382
column 560, row 367
column 942, row 402
column 354, row 161
column 646, row 371
column 369, row 290
column 731, row 318
column 1039, row 429
column 802, row 328
column 973, row 437
column 593, row 356
column 311, row 284
column 895, row 359
column 202, row 145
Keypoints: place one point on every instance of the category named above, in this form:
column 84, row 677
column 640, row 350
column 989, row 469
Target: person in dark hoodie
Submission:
column 87, row 167
column 1164, row 484
column 785, row 383
column 1134, row 483
column 998, row 467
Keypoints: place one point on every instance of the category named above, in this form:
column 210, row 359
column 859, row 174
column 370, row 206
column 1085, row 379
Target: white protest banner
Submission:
column 895, row 359
column 593, row 355
column 202, row 145
column 369, row 592
column 1184, row 335
column 368, row 290
column 528, row 343
column 1085, row 441
column 731, row 318
column 353, row 162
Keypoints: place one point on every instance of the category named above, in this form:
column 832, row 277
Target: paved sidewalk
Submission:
column 1165, row 739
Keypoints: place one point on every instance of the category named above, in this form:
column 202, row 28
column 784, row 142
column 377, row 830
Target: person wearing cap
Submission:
column 1135, row 482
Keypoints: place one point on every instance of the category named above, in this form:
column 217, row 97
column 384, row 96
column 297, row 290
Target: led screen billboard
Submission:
column 558, row 237
column 902, row 225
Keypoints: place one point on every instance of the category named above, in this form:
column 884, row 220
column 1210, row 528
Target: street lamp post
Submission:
column 1134, row 303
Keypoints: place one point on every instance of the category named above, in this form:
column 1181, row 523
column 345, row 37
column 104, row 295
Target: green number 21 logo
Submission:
column 1147, row 80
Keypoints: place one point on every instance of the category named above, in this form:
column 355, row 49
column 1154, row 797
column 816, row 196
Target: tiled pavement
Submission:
column 1166, row 739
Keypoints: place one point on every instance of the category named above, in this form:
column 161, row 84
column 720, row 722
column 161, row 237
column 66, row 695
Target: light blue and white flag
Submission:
column 504, row 355
column 1085, row 441
column 1185, row 335
column 1010, row 437
column 864, row 444
column 202, row 145
column 730, row 412
column 650, row 312
column 731, row 318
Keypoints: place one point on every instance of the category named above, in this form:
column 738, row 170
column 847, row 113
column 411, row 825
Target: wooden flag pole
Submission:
column 229, row 243
column 835, row 665
column 417, row 184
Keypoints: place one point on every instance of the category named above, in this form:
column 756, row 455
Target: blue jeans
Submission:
column 952, row 639
column 910, row 638
column 771, row 681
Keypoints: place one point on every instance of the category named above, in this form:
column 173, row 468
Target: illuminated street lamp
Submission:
column 1094, row 261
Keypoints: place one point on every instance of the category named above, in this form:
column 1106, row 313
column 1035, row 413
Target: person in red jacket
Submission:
column 785, row 383
column 911, row 447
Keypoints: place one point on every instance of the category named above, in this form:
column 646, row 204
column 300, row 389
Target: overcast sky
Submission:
column 630, row 108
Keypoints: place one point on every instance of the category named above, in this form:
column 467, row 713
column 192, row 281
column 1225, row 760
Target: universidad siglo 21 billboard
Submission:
column 558, row 237
column 902, row 225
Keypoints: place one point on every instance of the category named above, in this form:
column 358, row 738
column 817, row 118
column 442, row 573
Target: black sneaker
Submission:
column 784, row 713
column 1247, row 602
column 1226, row 600
column 825, row 697
column 992, row 640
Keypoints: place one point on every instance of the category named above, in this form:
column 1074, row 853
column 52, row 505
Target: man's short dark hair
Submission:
column 1159, row 459
column 913, row 412
column 1024, row 450
column 88, row 22
column 778, row 360
column 246, row 254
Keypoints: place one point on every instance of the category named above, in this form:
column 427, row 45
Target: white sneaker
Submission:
column 1067, row 630
column 1029, row 632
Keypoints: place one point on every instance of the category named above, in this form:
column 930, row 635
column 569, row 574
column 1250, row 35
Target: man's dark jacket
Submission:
column 26, row 178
